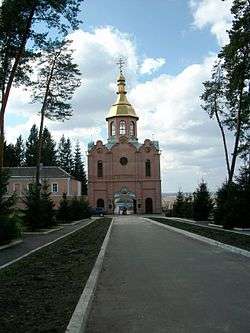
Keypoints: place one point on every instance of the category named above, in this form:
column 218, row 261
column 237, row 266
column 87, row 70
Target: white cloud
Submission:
column 151, row 65
column 213, row 13
column 168, row 107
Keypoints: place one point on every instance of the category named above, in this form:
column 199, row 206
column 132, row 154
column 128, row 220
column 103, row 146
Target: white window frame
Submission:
column 122, row 127
column 52, row 187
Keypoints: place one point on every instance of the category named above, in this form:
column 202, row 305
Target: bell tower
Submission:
column 122, row 119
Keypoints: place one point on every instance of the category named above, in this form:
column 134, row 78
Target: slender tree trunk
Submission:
column 224, row 142
column 237, row 138
column 43, row 109
column 11, row 79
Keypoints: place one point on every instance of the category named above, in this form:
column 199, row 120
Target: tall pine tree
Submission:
column 32, row 147
column 57, row 78
column 65, row 160
column 19, row 151
column 21, row 36
column 203, row 203
column 78, row 170
column 48, row 157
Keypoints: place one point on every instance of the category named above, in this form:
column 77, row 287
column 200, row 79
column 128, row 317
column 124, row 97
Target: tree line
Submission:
column 25, row 153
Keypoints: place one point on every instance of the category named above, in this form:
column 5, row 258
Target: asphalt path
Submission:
column 157, row 280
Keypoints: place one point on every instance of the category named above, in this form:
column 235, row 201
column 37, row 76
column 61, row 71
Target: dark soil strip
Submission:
column 40, row 292
column 227, row 237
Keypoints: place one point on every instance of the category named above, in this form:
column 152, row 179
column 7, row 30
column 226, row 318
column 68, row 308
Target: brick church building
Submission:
column 124, row 173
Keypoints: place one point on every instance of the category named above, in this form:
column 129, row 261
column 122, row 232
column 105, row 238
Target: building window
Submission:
column 132, row 128
column 122, row 127
column 112, row 128
column 123, row 160
column 99, row 169
column 30, row 186
column 148, row 168
column 54, row 188
column 100, row 203
column 17, row 188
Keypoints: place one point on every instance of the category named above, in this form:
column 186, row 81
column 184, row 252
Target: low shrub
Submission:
column 78, row 209
column 10, row 228
column 72, row 210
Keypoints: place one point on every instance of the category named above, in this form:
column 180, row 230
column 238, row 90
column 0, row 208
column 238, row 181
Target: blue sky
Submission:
column 160, row 28
column 170, row 46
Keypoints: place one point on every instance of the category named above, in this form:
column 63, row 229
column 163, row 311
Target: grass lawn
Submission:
column 227, row 237
column 40, row 292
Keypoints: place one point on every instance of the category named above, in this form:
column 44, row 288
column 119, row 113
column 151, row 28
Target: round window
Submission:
column 123, row 160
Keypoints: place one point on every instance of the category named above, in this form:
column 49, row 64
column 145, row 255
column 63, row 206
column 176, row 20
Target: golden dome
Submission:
column 121, row 107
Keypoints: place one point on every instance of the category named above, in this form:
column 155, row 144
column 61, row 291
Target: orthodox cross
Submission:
column 121, row 62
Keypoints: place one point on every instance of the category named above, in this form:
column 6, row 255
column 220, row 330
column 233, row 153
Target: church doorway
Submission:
column 100, row 203
column 149, row 206
column 124, row 202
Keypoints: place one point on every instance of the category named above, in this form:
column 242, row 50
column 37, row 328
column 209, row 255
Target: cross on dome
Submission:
column 121, row 62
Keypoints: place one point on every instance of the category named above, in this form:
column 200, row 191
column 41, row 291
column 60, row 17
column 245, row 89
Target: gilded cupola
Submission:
column 121, row 107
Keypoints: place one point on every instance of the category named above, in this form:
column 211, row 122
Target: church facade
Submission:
column 123, row 173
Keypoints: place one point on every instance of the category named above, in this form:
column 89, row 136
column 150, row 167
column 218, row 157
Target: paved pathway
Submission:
column 32, row 242
column 156, row 280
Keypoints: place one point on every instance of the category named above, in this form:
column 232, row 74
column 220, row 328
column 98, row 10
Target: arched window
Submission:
column 99, row 169
column 122, row 127
column 132, row 128
column 100, row 203
column 112, row 128
column 148, row 168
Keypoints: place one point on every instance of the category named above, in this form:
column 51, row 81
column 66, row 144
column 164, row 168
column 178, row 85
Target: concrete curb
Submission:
column 41, row 247
column 11, row 244
column 242, row 229
column 203, row 239
column 215, row 225
column 79, row 318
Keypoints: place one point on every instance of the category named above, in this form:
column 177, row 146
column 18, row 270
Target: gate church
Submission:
column 123, row 172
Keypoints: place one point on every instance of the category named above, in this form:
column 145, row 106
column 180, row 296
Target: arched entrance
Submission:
column 100, row 203
column 124, row 200
column 149, row 206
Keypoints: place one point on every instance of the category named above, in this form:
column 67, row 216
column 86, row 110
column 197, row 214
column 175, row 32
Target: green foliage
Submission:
column 63, row 209
column 78, row 170
column 32, row 147
column 78, row 209
column 39, row 212
column 21, row 40
column 6, row 203
column 14, row 154
column 73, row 210
column 232, row 202
column 10, row 228
column 48, row 149
column 202, row 204
column 183, row 206
column 65, row 160
column 57, row 78
column 226, row 96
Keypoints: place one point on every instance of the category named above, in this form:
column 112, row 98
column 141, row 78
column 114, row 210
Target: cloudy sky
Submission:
column 170, row 46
